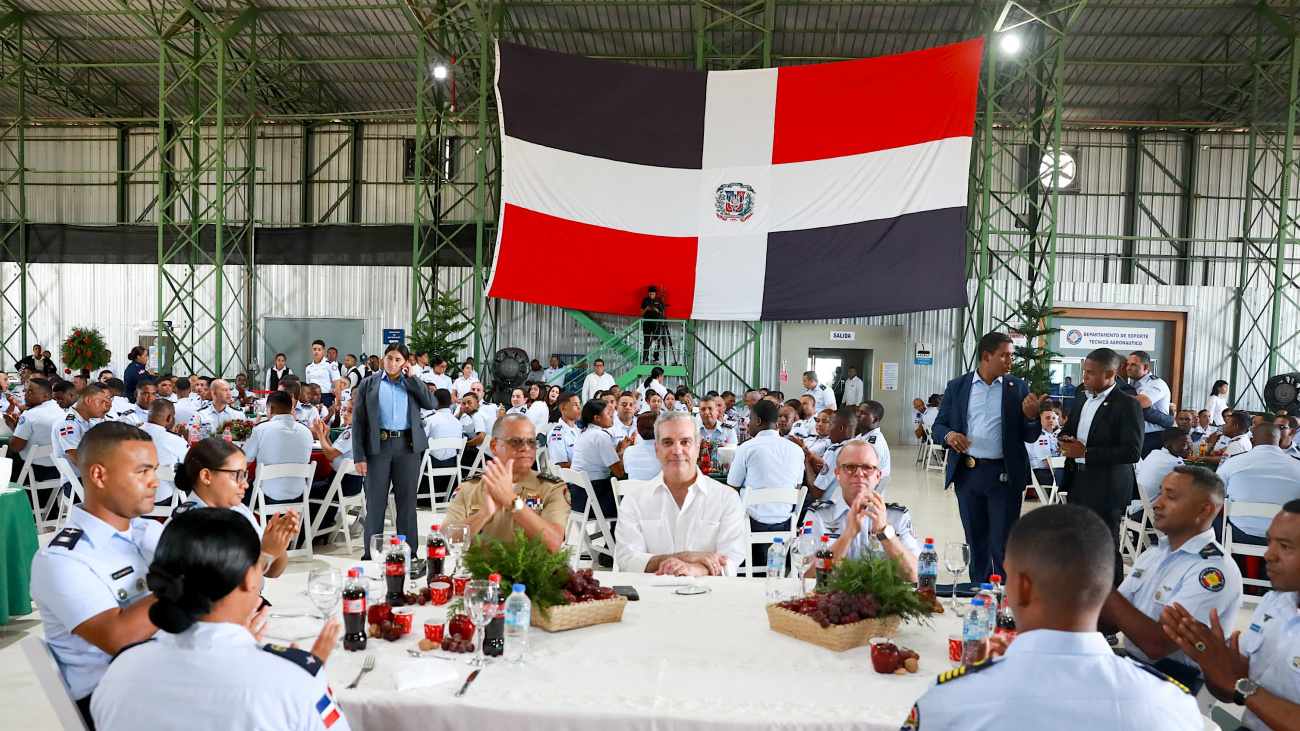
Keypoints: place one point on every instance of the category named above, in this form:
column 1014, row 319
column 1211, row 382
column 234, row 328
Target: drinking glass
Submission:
column 956, row 558
column 458, row 539
column 476, row 596
column 325, row 587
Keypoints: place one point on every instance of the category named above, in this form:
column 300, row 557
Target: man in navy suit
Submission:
column 985, row 418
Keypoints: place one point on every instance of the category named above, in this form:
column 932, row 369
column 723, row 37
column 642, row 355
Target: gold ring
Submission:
column 1200, row 647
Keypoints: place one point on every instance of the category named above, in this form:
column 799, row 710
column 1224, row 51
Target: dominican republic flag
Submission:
column 823, row 191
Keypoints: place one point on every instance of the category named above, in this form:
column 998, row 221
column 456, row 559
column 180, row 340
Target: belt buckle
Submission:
column 383, row 435
column 970, row 462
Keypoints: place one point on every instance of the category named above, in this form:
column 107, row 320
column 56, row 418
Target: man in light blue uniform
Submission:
column 35, row 428
column 442, row 424
column 138, row 413
column 89, row 582
column 821, row 470
column 1059, row 672
column 170, row 446
column 213, row 417
column 93, row 402
column 564, row 435
column 766, row 460
column 710, row 427
column 280, row 440
column 1263, row 475
column 857, row 520
column 1153, row 394
column 824, row 397
column 1186, row 566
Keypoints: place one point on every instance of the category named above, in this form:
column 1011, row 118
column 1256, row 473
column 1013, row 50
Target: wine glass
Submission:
column 458, row 539
column 956, row 558
column 325, row 587
column 476, row 597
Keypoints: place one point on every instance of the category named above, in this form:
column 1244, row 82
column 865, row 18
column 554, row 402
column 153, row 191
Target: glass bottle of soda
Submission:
column 823, row 562
column 435, row 554
column 494, row 633
column 395, row 573
column 354, row 612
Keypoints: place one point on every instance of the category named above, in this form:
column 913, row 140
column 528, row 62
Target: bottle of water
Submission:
column 974, row 630
column 927, row 569
column 775, row 569
column 406, row 549
column 518, row 617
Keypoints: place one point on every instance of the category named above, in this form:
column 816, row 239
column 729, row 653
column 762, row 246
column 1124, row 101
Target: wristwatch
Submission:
column 888, row 533
column 518, row 504
column 1244, row 688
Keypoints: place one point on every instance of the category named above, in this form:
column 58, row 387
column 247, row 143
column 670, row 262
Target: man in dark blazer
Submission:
column 388, row 441
column 985, row 418
column 1101, row 443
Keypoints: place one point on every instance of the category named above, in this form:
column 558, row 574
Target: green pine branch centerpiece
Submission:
column 562, row 598
column 84, row 348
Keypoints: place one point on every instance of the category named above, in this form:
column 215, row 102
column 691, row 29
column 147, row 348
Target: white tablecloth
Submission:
column 674, row 662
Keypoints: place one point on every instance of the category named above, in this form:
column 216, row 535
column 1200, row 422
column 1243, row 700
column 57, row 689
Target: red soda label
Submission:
column 354, row 606
column 438, row 552
column 1010, row 634
column 395, row 569
column 824, row 563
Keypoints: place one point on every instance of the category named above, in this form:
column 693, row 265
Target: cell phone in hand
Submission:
column 627, row 591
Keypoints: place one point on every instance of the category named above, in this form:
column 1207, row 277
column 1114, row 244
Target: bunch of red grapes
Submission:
column 834, row 607
column 582, row 587
column 460, row 635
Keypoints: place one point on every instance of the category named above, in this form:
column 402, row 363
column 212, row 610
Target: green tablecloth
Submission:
column 17, row 546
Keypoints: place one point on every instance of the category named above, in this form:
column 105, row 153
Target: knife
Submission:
column 468, row 680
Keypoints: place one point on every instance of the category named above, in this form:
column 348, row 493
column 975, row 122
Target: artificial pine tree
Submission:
column 443, row 331
column 1034, row 359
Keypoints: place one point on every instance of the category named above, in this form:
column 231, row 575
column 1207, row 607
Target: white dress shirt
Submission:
column 877, row 439
column 1153, row 469
column 1265, row 474
column 1090, row 407
column 323, row 374
column 710, row 519
column 461, row 386
column 1158, row 391
column 767, row 460
column 1041, row 450
column 539, row 414
column 853, row 391
column 593, row 383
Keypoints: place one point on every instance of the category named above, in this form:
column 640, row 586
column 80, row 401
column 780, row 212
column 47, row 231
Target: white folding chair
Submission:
column 166, row 473
column 65, row 502
column 428, row 471
column 1138, row 535
column 475, row 469
column 1246, row 510
column 603, row 541
column 25, row 477
column 342, row 504
column 56, row 691
column 789, row 496
column 936, row 455
column 264, row 512
column 623, row 487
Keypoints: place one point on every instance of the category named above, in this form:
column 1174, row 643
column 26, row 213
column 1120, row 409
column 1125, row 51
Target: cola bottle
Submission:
column 824, row 562
column 435, row 554
column 395, row 573
column 354, row 612
column 494, row 633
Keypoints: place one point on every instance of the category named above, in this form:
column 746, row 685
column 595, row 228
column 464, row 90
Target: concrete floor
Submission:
column 934, row 513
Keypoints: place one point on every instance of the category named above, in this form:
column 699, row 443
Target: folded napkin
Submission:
column 411, row 674
column 672, row 581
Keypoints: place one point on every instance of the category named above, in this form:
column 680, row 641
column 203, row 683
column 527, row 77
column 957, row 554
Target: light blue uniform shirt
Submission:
column 393, row 404
column 87, row 569
column 1158, row 391
column 561, row 441
column 767, row 460
column 594, row 452
column 196, row 502
column 1050, row 679
column 640, row 462
column 66, row 434
column 442, row 424
column 281, row 440
column 984, row 418
column 212, row 421
column 720, row 433
column 1272, row 642
column 823, row 396
column 1197, row 576
column 1263, row 475
column 826, row 480
column 831, row 520
column 36, row 425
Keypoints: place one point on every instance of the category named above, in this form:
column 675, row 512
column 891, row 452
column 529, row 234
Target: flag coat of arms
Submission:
column 801, row 192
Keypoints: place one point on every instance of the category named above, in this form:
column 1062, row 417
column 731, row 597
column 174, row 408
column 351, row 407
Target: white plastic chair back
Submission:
column 335, row 498
column 264, row 512
column 428, row 471
column 42, row 513
column 1246, row 510
column 166, row 473
column 65, row 502
column 56, row 691
column 624, row 487
column 765, row 496
column 1138, row 535
column 602, row 542
column 936, row 455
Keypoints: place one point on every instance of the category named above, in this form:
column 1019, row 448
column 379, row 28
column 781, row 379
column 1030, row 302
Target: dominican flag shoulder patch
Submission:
column 855, row 168
column 328, row 709
column 66, row 430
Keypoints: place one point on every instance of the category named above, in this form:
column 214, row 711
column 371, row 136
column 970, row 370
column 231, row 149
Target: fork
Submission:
column 366, row 667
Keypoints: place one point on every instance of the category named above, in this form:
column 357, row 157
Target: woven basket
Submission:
column 837, row 637
column 582, row 614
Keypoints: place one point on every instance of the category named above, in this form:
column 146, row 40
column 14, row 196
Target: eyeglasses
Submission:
column 858, row 469
column 239, row 475
column 519, row 443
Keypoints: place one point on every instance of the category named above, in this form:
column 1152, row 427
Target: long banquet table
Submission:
column 674, row 662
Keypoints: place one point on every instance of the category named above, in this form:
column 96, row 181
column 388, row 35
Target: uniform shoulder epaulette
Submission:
column 550, row 478
column 70, row 417
column 872, row 439
column 124, row 649
column 301, row 658
column 896, row 506
column 1211, row 550
column 1161, row 675
column 184, row 507
column 964, row 670
column 67, row 538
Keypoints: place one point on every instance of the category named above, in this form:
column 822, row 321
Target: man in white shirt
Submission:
column 870, row 414
column 321, row 372
column 472, row 426
column 554, row 374
column 852, row 388
column 436, row 374
column 1286, row 429
column 931, row 410
column 682, row 524
column 766, row 460
column 1152, row 393
column 186, row 410
column 1262, row 475
column 280, row 440
column 1236, row 427
column 442, row 424
column 1154, row 467
column 597, row 380
column 639, row 460
column 171, row 447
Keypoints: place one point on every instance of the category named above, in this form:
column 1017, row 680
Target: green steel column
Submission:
column 1282, row 293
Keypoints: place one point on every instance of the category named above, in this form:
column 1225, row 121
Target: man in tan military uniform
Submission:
column 510, row 494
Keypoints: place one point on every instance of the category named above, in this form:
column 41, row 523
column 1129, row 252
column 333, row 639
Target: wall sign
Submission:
column 785, row 376
column 1095, row 336
column 394, row 335
column 924, row 354
column 888, row 376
